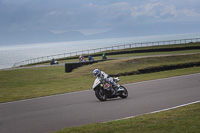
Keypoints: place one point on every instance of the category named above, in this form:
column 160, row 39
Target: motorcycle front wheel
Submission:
column 124, row 94
column 100, row 94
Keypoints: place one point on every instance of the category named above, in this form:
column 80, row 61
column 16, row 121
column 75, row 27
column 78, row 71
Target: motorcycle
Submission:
column 103, row 91
column 54, row 62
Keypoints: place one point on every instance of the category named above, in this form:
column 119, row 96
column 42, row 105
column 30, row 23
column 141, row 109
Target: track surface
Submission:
column 52, row 113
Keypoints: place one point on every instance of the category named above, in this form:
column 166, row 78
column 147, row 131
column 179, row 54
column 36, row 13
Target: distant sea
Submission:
column 9, row 55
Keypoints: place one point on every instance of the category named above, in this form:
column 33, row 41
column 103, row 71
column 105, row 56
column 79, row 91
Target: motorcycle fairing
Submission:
column 96, row 83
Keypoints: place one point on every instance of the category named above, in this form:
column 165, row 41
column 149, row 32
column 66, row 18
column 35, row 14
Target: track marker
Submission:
column 153, row 112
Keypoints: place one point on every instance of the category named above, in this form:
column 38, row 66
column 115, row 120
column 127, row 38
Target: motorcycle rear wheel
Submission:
column 100, row 94
column 124, row 94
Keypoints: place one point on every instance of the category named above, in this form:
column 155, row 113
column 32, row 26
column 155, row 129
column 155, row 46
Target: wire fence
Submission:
column 92, row 51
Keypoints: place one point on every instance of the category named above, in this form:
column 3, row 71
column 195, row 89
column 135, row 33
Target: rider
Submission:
column 103, row 77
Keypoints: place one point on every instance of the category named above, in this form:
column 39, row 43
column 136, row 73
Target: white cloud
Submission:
column 72, row 15
column 164, row 12
column 144, row 12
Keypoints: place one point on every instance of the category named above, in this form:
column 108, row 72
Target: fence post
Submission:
column 35, row 60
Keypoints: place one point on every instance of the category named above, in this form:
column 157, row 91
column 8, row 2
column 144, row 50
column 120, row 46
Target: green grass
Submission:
column 43, row 81
column 135, row 55
column 128, row 65
column 181, row 120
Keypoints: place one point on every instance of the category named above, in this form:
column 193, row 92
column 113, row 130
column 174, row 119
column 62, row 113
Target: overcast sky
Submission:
column 93, row 16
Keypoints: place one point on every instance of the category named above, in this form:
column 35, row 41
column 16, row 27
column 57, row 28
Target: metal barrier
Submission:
column 92, row 51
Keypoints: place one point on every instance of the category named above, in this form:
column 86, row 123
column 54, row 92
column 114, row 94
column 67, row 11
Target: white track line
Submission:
column 92, row 89
column 163, row 78
column 156, row 111
column 45, row 97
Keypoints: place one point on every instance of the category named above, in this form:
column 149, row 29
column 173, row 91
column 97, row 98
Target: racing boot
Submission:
column 118, row 87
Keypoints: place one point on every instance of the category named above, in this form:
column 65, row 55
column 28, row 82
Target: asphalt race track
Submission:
column 53, row 113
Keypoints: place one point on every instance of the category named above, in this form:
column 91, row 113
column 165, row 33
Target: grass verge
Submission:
column 43, row 81
column 181, row 120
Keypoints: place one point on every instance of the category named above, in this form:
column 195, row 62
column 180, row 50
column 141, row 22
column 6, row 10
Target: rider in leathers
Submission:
column 103, row 77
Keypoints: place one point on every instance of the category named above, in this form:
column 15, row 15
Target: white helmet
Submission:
column 96, row 72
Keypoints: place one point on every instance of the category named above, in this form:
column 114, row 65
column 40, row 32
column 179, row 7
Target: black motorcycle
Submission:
column 103, row 91
column 53, row 62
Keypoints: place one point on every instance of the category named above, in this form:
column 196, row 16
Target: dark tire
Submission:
column 100, row 94
column 124, row 94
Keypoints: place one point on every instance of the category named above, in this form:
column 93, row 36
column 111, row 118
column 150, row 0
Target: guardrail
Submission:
column 92, row 51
